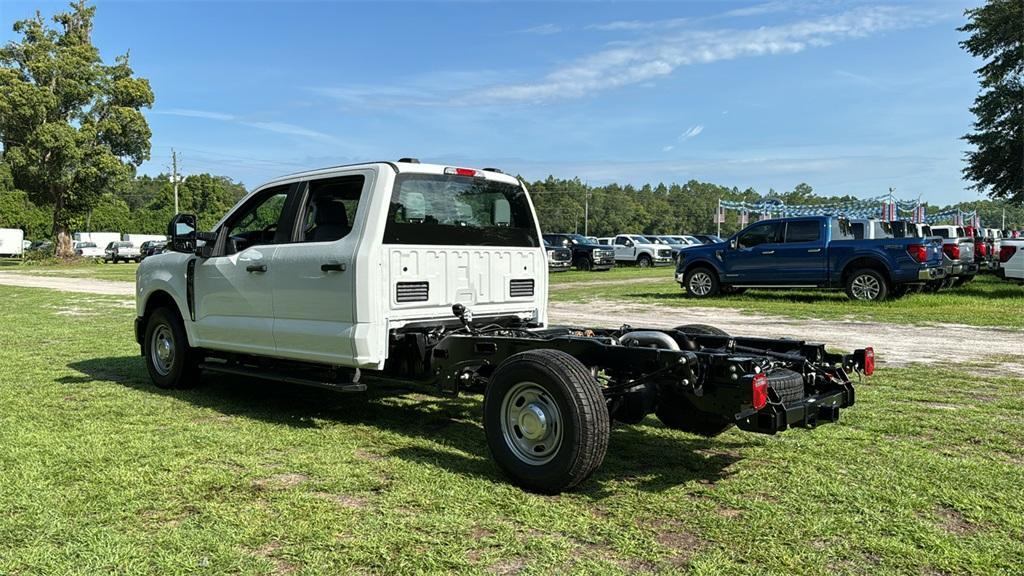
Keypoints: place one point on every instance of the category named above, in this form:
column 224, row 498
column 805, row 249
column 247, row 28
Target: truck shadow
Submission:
column 647, row 456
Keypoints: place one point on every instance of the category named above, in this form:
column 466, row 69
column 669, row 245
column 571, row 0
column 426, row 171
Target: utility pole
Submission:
column 174, row 177
column 718, row 219
column 586, row 208
column 1003, row 227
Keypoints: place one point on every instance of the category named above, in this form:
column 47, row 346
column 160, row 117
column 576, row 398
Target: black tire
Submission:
column 644, row 261
column 678, row 413
column 583, row 263
column 867, row 284
column 702, row 330
column 961, row 280
column 182, row 369
column 787, row 385
column 701, row 282
column 566, row 394
column 900, row 291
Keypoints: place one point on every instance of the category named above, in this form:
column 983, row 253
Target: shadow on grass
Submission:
column 651, row 461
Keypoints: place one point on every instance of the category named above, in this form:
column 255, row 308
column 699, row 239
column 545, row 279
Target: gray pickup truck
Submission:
column 957, row 255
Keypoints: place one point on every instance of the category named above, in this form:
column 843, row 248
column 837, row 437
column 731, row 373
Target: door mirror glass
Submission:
column 733, row 243
column 182, row 232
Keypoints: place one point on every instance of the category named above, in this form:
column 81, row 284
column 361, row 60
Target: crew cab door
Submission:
column 754, row 259
column 625, row 249
column 314, row 275
column 233, row 296
column 802, row 258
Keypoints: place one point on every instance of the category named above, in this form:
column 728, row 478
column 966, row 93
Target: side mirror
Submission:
column 629, row 243
column 182, row 232
column 733, row 243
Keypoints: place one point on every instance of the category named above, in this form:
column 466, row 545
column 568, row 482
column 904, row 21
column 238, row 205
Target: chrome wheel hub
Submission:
column 161, row 349
column 700, row 284
column 531, row 423
column 865, row 287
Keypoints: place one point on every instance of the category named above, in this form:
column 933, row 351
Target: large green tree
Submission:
column 996, row 164
column 71, row 126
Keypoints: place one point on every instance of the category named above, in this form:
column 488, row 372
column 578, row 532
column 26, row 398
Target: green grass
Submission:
column 97, row 270
column 103, row 473
column 615, row 274
column 987, row 301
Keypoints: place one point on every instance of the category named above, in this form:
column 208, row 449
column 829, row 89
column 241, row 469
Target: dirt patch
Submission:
column 506, row 567
column 479, row 533
column 278, row 481
column 85, row 285
column 364, row 455
column 354, row 502
column 953, row 521
column 943, row 343
column 269, row 552
column 590, row 283
column 730, row 513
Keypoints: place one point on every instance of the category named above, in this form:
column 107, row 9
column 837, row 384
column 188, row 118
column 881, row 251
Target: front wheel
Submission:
column 583, row 264
column 868, row 285
column 644, row 261
column 546, row 420
column 701, row 283
column 171, row 362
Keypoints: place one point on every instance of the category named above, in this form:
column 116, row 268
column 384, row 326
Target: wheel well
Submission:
column 865, row 262
column 698, row 264
column 160, row 299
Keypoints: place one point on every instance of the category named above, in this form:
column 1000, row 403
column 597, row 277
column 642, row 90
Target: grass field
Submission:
column 100, row 271
column 102, row 473
column 987, row 301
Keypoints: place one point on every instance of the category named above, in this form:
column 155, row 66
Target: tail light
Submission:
column 461, row 171
column 869, row 361
column 1007, row 252
column 918, row 252
column 759, row 387
column 981, row 248
column 952, row 250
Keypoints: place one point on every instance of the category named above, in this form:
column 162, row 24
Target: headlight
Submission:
column 551, row 254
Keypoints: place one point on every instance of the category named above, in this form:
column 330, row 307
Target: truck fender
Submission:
column 705, row 262
column 157, row 286
column 866, row 260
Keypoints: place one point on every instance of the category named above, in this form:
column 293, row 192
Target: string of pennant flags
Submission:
column 884, row 207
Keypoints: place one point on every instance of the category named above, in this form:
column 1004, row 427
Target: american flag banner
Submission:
column 959, row 219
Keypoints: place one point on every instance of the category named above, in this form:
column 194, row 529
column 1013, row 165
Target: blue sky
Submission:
column 851, row 97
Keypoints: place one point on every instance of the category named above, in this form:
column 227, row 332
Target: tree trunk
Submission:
column 61, row 233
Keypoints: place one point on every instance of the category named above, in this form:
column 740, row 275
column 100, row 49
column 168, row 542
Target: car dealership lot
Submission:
column 258, row 477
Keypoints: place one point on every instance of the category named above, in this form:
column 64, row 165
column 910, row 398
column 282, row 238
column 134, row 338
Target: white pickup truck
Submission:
column 437, row 275
column 121, row 252
column 1011, row 259
column 639, row 250
column 958, row 254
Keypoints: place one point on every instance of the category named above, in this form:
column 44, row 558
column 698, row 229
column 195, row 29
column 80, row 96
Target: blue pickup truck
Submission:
column 809, row 252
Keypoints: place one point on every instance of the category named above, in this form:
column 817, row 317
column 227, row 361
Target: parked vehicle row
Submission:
column 587, row 253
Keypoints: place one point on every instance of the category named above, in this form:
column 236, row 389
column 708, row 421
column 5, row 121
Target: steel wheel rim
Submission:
column 531, row 423
column 700, row 284
column 161, row 349
column 866, row 287
column 644, row 263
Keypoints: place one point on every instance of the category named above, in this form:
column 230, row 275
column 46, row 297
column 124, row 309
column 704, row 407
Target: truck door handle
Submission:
column 333, row 267
column 814, row 250
column 767, row 252
column 256, row 268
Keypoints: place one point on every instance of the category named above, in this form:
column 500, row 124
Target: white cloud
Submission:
column 668, row 148
column 542, row 29
column 277, row 127
column 631, row 25
column 660, row 54
column 691, row 132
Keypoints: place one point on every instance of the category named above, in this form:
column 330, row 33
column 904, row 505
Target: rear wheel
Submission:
column 961, row 280
column 867, row 284
column 701, row 282
column 644, row 261
column 169, row 359
column 546, row 420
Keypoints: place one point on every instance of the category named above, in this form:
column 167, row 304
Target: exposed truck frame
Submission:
column 550, row 392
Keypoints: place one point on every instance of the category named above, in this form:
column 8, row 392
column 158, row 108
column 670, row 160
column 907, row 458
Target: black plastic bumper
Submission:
column 138, row 330
column 808, row 413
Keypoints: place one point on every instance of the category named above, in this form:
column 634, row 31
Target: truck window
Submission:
column 941, row 232
column 257, row 224
column 331, row 208
column 803, row 231
column 620, row 240
column 451, row 210
column 767, row 233
column 858, row 230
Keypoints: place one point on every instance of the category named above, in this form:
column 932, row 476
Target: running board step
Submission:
column 238, row 370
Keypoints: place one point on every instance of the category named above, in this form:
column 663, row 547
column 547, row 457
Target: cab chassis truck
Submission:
column 437, row 275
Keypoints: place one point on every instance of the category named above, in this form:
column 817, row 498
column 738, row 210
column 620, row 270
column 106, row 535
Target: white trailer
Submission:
column 100, row 239
column 138, row 239
column 12, row 242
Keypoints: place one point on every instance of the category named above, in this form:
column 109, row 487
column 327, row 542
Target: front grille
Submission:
column 562, row 255
column 412, row 292
column 665, row 253
column 604, row 254
column 520, row 288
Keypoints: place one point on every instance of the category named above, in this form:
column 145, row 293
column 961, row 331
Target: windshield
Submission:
column 669, row 240
column 641, row 240
column 460, row 211
column 579, row 239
